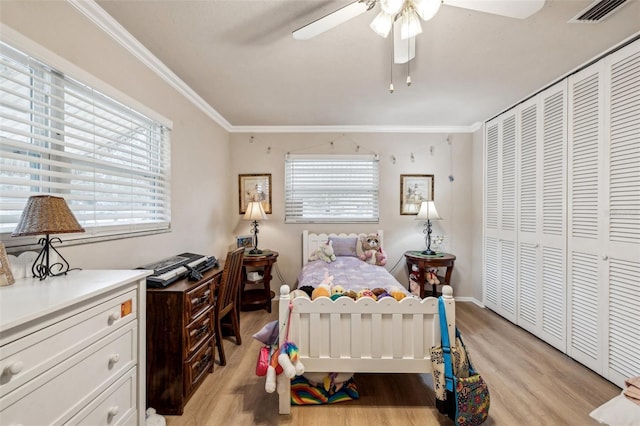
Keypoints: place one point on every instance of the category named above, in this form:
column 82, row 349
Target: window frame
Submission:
column 57, row 69
column 327, row 184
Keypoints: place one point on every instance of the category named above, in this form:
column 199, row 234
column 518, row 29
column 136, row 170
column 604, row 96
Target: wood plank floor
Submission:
column 530, row 382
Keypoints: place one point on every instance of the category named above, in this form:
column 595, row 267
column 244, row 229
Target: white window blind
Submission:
column 61, row 137
column 331, row 188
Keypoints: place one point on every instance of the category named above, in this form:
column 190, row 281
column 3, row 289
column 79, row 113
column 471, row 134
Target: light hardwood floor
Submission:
column 530, row 383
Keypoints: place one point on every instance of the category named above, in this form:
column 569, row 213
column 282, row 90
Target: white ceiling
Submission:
column 240, row 57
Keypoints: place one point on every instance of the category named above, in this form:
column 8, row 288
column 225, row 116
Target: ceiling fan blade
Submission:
column 331, row 20
column 403, row 50
column 520, row 9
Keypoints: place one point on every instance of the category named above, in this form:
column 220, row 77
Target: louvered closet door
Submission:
column 586, row 308
column 552, row 243
column 529, row 218
column 500, row 216
column 491, row 265
column 622, row 104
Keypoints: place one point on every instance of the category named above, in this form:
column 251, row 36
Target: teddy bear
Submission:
column 324, row 252
column 432, row 278
column 370, row 250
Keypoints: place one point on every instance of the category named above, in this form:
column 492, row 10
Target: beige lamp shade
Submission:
column 46, row 214
column 428, row 211
column 255, row 211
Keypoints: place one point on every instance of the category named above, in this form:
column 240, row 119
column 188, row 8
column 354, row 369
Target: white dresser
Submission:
column 72, row 349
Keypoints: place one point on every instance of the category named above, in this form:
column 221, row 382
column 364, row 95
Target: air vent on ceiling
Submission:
column 598, row 11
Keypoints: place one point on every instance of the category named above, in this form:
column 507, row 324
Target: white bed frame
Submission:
column 364, row 335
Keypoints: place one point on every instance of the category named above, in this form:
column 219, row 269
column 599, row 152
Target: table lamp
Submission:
column 255, row 212
column 428, row 212
column 46, row 214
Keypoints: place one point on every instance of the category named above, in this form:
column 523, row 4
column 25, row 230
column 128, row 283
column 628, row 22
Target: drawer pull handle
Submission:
column 14, row 368
column 114, row 358
column 200, row 330
column 113, row 316
column 201, row 299
column 113, row 411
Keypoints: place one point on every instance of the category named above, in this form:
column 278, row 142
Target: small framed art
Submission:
column 414, row 189
column 254, row 187
column 6, row 276
column 245, row 241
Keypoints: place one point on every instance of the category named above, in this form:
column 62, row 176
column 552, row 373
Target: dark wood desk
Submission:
column 180, row 340
column 257, row 298
column 425, row 262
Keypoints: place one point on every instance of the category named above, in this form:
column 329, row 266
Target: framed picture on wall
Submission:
column 414, row 189
column 254, row 187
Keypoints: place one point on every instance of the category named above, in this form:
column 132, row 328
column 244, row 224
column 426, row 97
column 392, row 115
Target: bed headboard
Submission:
column 311, row 241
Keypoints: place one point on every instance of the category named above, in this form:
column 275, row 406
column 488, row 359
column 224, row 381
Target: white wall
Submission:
column 201, row 215
column 433, row 154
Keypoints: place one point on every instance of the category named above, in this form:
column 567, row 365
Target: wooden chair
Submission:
column 227, row 299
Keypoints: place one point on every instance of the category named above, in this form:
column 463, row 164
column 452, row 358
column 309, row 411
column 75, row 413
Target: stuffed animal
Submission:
column 337, row 291
column 307, row 289
column 324, row 253
column 369, row 249
column 366, row 293
column 352, row 294
column 432, row 278
column 398, row 295
column 324, row 288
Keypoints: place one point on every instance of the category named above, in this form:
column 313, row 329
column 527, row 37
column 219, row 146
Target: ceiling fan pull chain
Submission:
column 391, row 67
column 409, row 61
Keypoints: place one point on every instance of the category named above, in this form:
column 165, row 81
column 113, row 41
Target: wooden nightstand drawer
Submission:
column 198, row 300
column 199, row 331
column 197, row 367
column 43, row 350
column 64, row 389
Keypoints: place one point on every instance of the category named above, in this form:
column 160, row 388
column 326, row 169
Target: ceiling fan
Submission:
column 403, row 17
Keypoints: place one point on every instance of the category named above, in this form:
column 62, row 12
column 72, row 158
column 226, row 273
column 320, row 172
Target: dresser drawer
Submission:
column 54, row 396
column 24, row 359
column 198, row 300
column 115, row 406
column 197, row 367
column 199, row 331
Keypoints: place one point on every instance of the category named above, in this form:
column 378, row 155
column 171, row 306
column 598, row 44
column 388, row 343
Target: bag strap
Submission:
column 446, row 345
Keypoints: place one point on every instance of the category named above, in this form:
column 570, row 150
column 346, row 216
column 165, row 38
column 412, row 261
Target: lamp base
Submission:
column 41, row 267
column 429, row 252
column 255, row 251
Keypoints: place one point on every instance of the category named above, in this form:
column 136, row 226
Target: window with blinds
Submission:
column 331, row 188
column 61, row 137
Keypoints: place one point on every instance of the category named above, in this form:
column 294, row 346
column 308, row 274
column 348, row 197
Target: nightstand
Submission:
column 423, row 263
column 256, row 273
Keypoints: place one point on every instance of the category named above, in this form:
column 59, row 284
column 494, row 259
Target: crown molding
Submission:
column 355, row 129
column 109, row 25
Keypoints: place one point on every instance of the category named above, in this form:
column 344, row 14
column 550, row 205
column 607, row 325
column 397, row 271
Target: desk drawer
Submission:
column 198, row 300
column 68, row 387
column 199, row 331
column 115, row 406
column 48, row 347
column 197, row 367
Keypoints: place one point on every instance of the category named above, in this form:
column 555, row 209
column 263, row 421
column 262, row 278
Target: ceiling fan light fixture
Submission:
column 426, row 8
column 409, row 24
column 391, row 7
column 382, row 24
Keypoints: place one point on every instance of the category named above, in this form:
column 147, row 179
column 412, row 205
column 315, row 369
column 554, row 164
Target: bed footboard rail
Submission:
column 386, row 336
